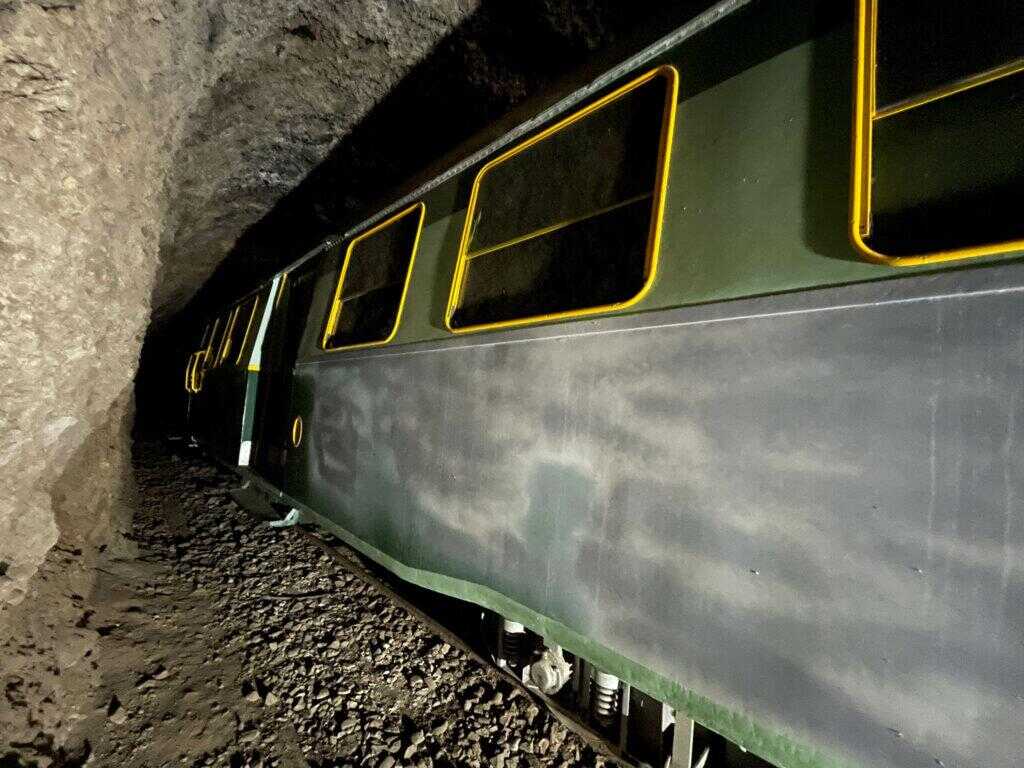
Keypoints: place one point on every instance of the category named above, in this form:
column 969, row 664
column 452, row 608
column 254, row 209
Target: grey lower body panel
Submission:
column 807, row 508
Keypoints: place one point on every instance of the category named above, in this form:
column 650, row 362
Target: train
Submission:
column 704, row 383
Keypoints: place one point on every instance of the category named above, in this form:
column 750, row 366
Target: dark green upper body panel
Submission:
column 758, row 189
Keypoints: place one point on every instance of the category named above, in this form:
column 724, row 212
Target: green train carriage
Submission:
column 710, row 375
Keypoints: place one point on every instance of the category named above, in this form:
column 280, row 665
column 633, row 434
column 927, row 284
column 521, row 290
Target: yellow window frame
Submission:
column 248, row 329
column 192, row 368
column 195, row 379
column 657, row 214
column 225, row 342
column 208, row 349
column 189, row 376
column 280, row 289
column 336, row 303
column 866, row 114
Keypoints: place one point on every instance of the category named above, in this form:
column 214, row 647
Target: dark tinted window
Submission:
column 564, row 222
column 371, row 285
column 245, row 328
column 230, row 331
column 950, row 174
column 946, row 136
column 214, row 342
column 926, row 44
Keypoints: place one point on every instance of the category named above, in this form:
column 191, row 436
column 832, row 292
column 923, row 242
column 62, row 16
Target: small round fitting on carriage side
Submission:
column 297, row 431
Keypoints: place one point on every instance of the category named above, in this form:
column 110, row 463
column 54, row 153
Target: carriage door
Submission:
column 273, row 438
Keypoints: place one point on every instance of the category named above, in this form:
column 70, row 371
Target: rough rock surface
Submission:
column 227, row 642
column 78, row 243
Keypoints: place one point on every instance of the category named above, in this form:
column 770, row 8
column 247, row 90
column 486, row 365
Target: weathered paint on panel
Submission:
column 804, row 508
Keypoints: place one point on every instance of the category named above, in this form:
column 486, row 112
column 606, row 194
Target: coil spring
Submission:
column 604, row 699
column 512, row 647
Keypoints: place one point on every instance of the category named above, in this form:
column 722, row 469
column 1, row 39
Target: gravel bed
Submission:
column 230, row 642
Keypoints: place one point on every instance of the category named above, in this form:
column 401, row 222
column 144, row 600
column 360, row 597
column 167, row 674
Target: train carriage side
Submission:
column 220, row 379
column 628, row 381
column 275, row 431
column 202, row 410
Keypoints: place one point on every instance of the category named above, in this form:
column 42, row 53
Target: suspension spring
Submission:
column 513, row 635
column 604, row 696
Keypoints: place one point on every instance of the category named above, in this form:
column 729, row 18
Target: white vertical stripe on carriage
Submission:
column 268, row 309
column 253, row 366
